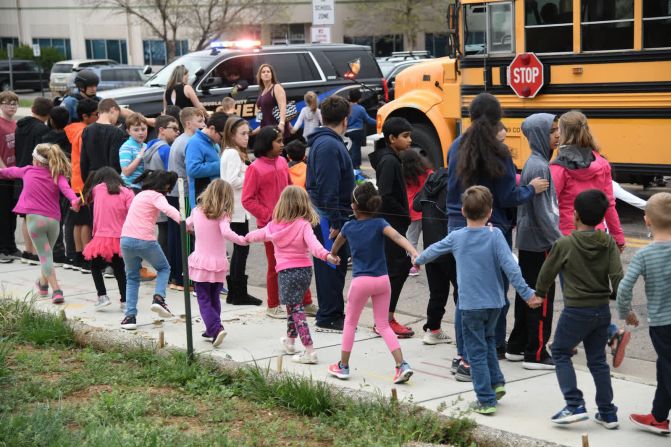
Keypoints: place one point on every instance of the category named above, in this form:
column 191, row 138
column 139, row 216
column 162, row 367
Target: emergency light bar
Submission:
column 244, row 44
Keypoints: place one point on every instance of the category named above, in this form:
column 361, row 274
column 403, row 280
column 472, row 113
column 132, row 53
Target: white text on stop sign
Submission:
column 527, row 75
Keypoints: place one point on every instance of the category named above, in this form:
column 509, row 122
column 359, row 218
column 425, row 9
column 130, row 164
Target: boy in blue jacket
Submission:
column 202, row 155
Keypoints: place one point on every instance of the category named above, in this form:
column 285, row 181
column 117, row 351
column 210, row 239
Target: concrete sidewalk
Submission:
column 533, row 396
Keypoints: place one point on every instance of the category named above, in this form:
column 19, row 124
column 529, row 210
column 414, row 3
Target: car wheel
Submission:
column 425, row 139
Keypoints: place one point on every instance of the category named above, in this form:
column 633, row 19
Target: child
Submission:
column 481, row 252
column 227, row 106
column 111, row 201
column 39, row 202
column 297, row 166
column 208, row 265
column 589, row 262
column 264, row 181
column 654, row 264
column 366, row 239
column 356, row 127
column 310, row 117
column 415, row 172
column 138, row 242
column 391, row 184
column 9, row 103
column 292, row 236
column 58, row 120
column 131, row 153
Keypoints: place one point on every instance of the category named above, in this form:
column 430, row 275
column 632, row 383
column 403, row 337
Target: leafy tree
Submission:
column 48, row 55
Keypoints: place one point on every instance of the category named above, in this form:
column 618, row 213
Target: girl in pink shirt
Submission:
column 138, row 242
column 293, row 239
column 111, row 201
column 208, row 266
column 43, row 182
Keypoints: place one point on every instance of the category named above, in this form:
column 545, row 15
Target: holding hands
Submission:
column 632, row 319
column 75, row 205
column 535, row 302
column 333, row 259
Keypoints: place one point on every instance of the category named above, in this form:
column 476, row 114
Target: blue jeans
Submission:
column 588, row 325
column 479, row 327
column 133, row 252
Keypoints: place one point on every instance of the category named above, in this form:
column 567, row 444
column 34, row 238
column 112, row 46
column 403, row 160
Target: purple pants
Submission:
column 209, row 303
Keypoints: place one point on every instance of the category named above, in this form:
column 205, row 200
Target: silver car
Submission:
column 62, row 72
column 114, row 76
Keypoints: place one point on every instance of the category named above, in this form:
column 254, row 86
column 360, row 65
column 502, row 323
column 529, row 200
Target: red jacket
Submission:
column 412, row 189
column 264, row 181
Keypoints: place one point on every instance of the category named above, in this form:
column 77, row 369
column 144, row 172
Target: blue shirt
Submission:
column 481, row 253
column 201, row 161
column 357, row 117
column 366, row 243
column 127, row 153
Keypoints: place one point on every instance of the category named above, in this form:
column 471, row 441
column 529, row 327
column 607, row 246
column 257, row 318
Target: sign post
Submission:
column 525, row 75
column 10, row 56
column 185, row 269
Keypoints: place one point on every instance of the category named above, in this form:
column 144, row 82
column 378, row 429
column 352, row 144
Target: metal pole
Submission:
column 10, row 56
column 185, row 269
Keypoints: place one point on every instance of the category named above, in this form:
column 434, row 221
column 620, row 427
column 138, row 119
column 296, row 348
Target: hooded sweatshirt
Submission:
column 430, row 201
column 157, row 155
column 58, row 136
column 590, row 263
column 293, row 243
column 538, row 219
column 391, row 186
column 100, row 147
column 575, row 170
column 330, row 177
column 265, row 179
column 201, row 162
column 29, row 133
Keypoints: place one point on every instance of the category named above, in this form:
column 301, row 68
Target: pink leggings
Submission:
column 379, row 290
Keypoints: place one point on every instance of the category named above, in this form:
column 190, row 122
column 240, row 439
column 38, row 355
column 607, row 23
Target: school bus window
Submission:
column 657, row 24
column 548, row 26
column 500, row 30
column 607, row 25
column 488, row 28
column 475, row 22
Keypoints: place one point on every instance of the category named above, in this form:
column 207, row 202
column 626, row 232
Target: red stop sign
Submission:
column 525, row 75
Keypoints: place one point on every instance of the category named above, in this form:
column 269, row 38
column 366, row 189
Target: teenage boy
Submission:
column 9, row 103
column 481, row 252
column 356, row 127
column 537, row 231
column 653, row 262
column 102, row 140
column 589, row 261
column 394, row 209
column 131, row 153
column 329, row 182
column 297, row 166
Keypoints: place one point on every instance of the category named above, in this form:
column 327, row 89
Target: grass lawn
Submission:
column 54, row 393
column 25, row 102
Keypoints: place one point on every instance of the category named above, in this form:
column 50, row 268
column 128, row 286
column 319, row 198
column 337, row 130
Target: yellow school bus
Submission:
column 611, row 59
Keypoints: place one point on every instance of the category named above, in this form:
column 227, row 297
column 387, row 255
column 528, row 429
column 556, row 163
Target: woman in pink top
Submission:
column 111, row 201
column 43, row 182
column 264, row 181
column 208, row 266
column 579, row 166
column 292, row 235
column 138, row 242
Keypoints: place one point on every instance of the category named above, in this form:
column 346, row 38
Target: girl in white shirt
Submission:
column 310, row 117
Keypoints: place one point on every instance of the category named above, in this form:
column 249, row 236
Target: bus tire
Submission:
column 425, row 138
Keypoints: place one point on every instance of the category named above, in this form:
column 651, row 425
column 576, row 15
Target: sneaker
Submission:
column 339, row 371
column 129, row 323
column 224, row 291
column 85, row 267
column 103, row 301
column 403, row 373
column 216, row 341
column 69, row 264
column 649, row 423
column 5, row 259
column 306, row 358
column 287, row 346
column 25, row 257
column 463, row 373
column 57, row 297
column 607, row 420
column 501, row 352
column 14, row 254
column 42, row 289
column 310, row 310
column 618, row 344
column 276, row 312
column 455, row 365
column 159, row 306
column 514, row 357
column 435, row 337
column 400, row 330
column 545, row 364
column 414, row 271
column 29, row 258
column 500, row 391
column 332, row 326
column 60, row 260
column 569, row 415
column 481, row 408
column 146, row 275
column 109, row 272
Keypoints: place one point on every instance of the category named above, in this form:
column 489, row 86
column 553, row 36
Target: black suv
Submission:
column 26, row 75
column 325, row 69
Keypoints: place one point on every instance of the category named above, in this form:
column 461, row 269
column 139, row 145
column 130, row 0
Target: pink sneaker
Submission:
column 414, row 271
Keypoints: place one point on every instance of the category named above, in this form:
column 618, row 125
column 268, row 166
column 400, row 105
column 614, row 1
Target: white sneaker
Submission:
column 434, row 338
column 304, row 357
column 103, row 301
column 287, row 347
column 109, row 273
column 310, row 310
column 514, row 357
column 219, row 338
column 276, row 312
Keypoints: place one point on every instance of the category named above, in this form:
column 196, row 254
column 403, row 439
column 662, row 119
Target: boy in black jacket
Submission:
column 394, row 209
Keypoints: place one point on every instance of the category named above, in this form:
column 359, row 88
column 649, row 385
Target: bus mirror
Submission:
column 452, row 18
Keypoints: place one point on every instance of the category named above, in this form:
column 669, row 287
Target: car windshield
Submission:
column 192, row 62
column 61, row 68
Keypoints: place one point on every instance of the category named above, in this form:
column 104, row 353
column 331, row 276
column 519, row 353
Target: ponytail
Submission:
column 51, row 156
column 574, row 130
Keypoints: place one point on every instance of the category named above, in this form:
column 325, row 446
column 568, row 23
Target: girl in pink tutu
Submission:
column 208, row 266
column 111, row 201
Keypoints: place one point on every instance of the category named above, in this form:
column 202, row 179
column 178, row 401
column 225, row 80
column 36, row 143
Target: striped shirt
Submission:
column 654, row 264
column 127, row 153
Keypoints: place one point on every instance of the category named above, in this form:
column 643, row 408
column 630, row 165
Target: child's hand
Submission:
column 535, row 302
column 190, row 228
column 332, row 259
column 632, row 319
column 75, row 205
column 539, row 184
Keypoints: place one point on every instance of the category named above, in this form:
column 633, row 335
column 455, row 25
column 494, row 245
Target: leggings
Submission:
column 378, row 289
column 43, row 232
column 297, row 325
column 271, row 280
column 98, row 264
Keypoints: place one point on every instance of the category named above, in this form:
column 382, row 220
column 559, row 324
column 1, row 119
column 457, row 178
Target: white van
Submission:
column 61, row 71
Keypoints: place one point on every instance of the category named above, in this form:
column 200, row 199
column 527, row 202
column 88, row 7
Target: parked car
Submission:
column 61, row 72
column 326, row 69
column 114, row 76
column 26, row 74
column 391, row 66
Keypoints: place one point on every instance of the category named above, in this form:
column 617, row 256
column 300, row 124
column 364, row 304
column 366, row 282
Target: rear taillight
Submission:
column 385, row 88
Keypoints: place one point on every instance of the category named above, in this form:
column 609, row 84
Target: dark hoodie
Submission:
column 58, row 136
column 431, row 203
column 538, row 219
column 590, row 263
column 391, row 186
column 330, row 177
column 29, row 133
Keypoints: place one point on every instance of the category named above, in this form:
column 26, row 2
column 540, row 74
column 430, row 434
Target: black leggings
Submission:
column 98, row 264
column 240, row 252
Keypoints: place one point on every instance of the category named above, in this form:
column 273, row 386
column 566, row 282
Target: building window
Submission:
column 155, row 51
column 62, row 45
column 657, row 24
column 4, row 41
column 436, row 44
column 293, row 33
column 381, row 45
column 548, row 26
column 607, row 25
column 107, row 49
column 488, row 29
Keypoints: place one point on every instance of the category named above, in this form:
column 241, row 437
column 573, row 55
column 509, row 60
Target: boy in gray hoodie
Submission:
column 537, row 231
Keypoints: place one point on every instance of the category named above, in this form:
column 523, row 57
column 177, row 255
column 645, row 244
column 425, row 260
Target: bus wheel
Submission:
column 425, row 138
